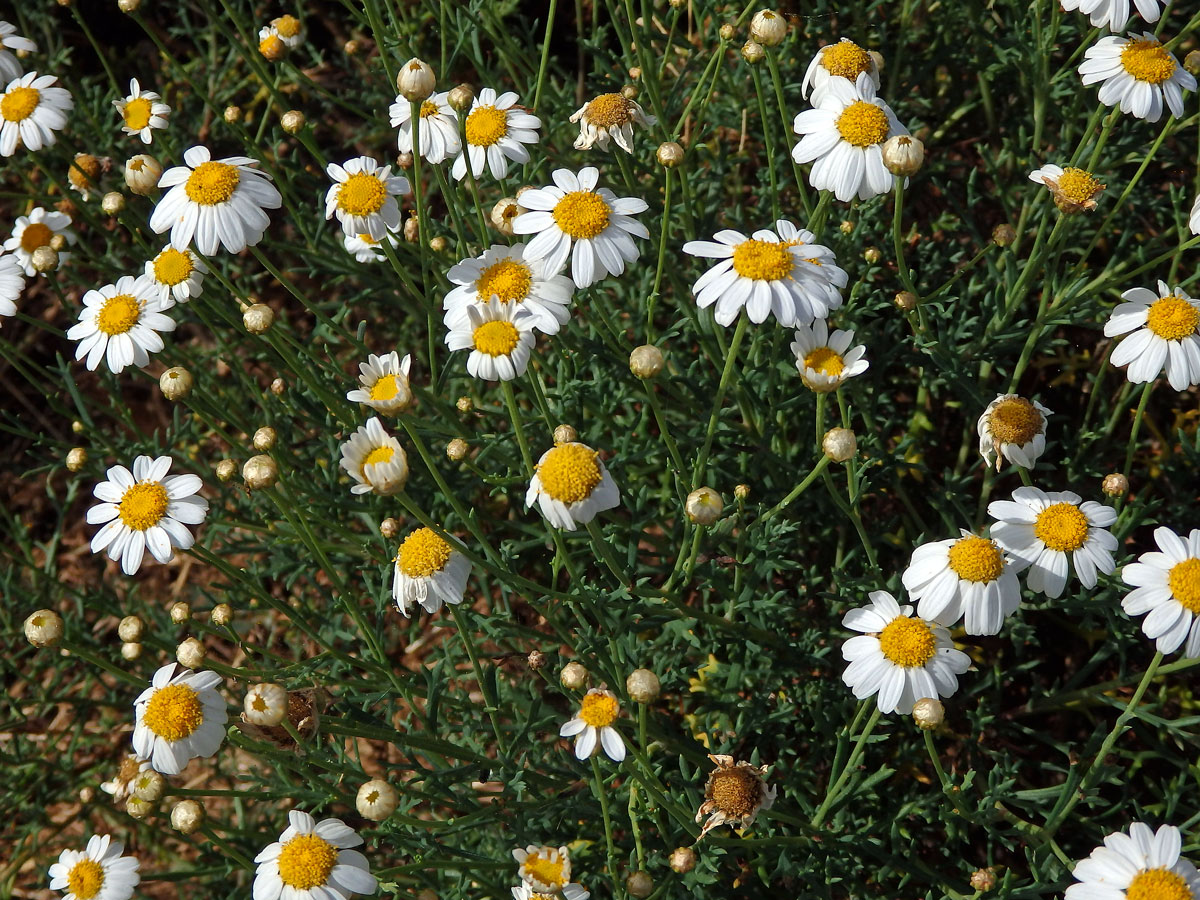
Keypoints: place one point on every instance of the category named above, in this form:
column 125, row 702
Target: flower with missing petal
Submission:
column 142, row 112
column 383, row 384
column 428, row 571
column 734, row 795
column 499, row 336
column 1074, row 190
column 497, row 131
column 570, row 485
column 826, row 360
column 1014, row 429
column 545, row 874
column 178, row 275
column 375, row 460
column 609, row 117
column 594, row 726
column 438, row 127
column 120, row 323
column 845, row 60
column 363, row 197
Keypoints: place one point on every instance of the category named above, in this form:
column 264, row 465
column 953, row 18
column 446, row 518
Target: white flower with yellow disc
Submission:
column 1137, row 73
column 39, row 229
column 31, row 110
column 12, row 283
column 313, row 861
column 1141, row 865
column 10, row 66
column 375, row 460
column 178, row 718
column 1166, row 585
column 120, row 323
column 363, row 197
column 497, row 131
column 1114, row 13
column 845, row 60
column 1163, row 332
column 571, row 485
column 98, row 872
column 504, row 272
column 142, row 112
column 826, row 360
column 592, row 727
column 1074, row 190
column 609, row 117
column 438, row 128
column 383, row 384
column 526, row 891
column 428, row 571
column 545, row 872
column 499, row 336
column 965, row 576
column 177, row 274
column 1014, row 429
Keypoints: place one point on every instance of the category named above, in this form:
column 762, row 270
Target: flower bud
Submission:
column 78, row 427
column 112, row 203
column 438, row 244
column 903, row 155
column 130, row 628
column 464, row 404
column 1191, row 62
column 292, row 121
column 415, row 80
column 639, row 884
column 222, row 614
column 351, row 47
column 872, row 255
column 878, row 59
column 457, row 449
column 148, row 785
column 704, row 506
column 186, row 816
column 412, row 229
column 190, row 653
column 635, row 72
column 1004, row 234
column 727, row 33
column 1115, row 484
column 175, row 383
column 405, row 160
column 76, row 458
column 58, row 243
column 278, row 386
column 264, row 439
column 983, row 880
column 258, row 317
column 376, row 800
column 846, row 227
column 226, row 469
column 142, row 173
column 128, row 6
column 905, row 300
column 44, row 259
column 565, row 434
column 928, row 713
column 180, row 612
column 260, row 472
column 131, row 650
column 768, row 28
column 44, row 628
column 461, row 97
column 753, row 52
column 642, row 686
column 503, row 214
column 669, row 154
column 839, row 444
column 630, row 91
column 683, row 860
column 266, row 704
column 535, row 660
column 389, row 528
column 233, row 113
column 742, row 491
column 138, row 808
column 573, row 676
column 646, row 361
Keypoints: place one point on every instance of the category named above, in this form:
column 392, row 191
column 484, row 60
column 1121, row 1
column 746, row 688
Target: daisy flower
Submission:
column 36, row 230
column 313, row 861
column 1074, row 190
column 1114, row 13
column 1013, row 429
column 428, row 571
column 1167, row 586
column 217, row 202
column 12, row 283
column 363, row 197
column 845, row 60
column 142, row 112
column 899, row 657
column 822, row 359
column 570, row 485
column 609, row 117
column 438, row 126
column 503, row 272
column 499, row 336
column 1044, row 530
column 574, row 213
column 178, row 275
column 98, row 872
column 1164, row 332
column 289, row 29
column 496, row 130
column 178, row 718
column 525, row 891
column 383, row 384
column 1138, row 73
column 10, row 66
column 31, row 110
column 145, row 509
column 545, row 871
column 375, row 460
column 120, row 323
column 774, row 272
column 365, row 248
column 594, row 726
column 734, row 794
column 1142, row 864
column 964, row 575
column 842, row 137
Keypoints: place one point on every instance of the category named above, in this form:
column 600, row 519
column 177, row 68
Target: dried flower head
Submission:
column 734, row 794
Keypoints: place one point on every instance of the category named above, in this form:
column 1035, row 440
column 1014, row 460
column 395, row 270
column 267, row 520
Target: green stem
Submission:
column 602, row 796
column 492, row 704
column 544, row 64
column 727, row 373
column 835, row 789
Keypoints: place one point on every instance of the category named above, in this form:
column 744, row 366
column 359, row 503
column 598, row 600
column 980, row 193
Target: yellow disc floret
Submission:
column 385, row 388
column 737, row 791
column 306, row 861
column 18, row 104
column 598, row 710
column 172, row 267
column 544, row 869
column 35, row 235
column 137, row 113
column 118, row 314
column 1158, row 884
column 287, row 26
column 845, row 59
column 378, row 455
column 1015, row 420
column 826, row 361
column 85, row 879
column 212, row 182
column 497, row 338
column 1172, row 318
column 428, row 108
column 486, row 125
column 1147, row 60
column 1062, row 527
column 174, row 712
column 569, row 473
column 863, row 124
column 422, row 554
column 507, row 280
column 1184, row 581
column 361, row 195
column 143, row 505
column 763, row 260
column 1078, row 185
column 908, row 642
column 581, row 215
column 608, row 110
column 976, row 559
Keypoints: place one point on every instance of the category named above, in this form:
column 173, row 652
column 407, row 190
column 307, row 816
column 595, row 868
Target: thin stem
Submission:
column 835, row 789
column 544, row 64
column 718, row 400
column 602, row 796
column 492, row 705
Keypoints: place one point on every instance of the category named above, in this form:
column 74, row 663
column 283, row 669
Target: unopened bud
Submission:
column 905, row 300
column 753, row 52
column 742, row 491
column 630, row 91
column 683, row 860
column 226, row 469
column 903, row 155
column 415, row 80
column 565, row 434
column 457, row 449
column 768, row 28
column 535, row 660
column 130, row 628
column 186, row 816
column 405, row 160
column 77, row 458
column 292, row 121
column 503, row 214
column 461, row 97
column 669, row 154
column 175, row 383
column 727, row 32
column 878, row 59
column 258, row 317
column 142, row 173
column 1115, row 485
column 190, row 653
column 264, row 439
column 704, row 506
column 278, row 386
column 44, row 628
column 872, row 255
column 646, row 361
column 58, row 243
column 983, row 880
column 180, row 612
column 44, row 259
column 389, row 528
column 148, row 785
column 112, row 203
column 1191, row 62
column 1004, row 234
column 351, row 47
column 438, row 244
column 131, row 650
column 928, row 713
column 128, row 6
column 839, row 444
column 78, row 427
column 412, row 229
column 260, row 472
column 573, row 676
column 222, row 614
column 376, row 800
column 642, row 686
column 846, row 227
column 464, row 404
column 639, row 884
column 233, row 113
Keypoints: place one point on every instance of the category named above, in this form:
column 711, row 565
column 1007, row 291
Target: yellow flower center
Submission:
column 1078, row 186
column 1172, row 318
column 736, row 790
column 598, row 710
column 976, row 559
column 84, row 171
column 507, row 280
column 385, row 388
column 543, row 869
column 486, row 125
column 143, row 505
column 137, row 113
column 174, row 712
column 1158, row 884
column 863, row 124
column 608, row 110
column 497, row 338
column 272, row 47
column 212, row 182
column 826, row 361
column 763, row 260
column 569, row 474
column 287, row 26
column 1014, row 421
column 846, row 59
column 428, row 108
column 35, row 235
column 1062, row 527
column 422, row 554
column 19, row 103
column 581, row 215
column 908, row 642
column 379, row 455
column 172, row 267
column 85, row 879
column 118, row 314
column 361, row 195
column 306, row 862
column 1147, row 60
column 1184, row 582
